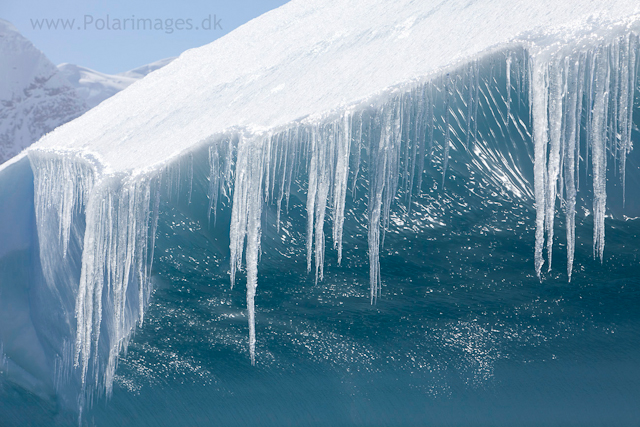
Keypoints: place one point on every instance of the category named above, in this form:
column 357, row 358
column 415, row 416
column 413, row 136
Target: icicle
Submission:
column 573, row 106
column 447, row 128
column 274, row 160
column 190, row 178
column 407, row 114
column 311, row 195
column 519, row 80
column 246, row 213
column 508, row 99
column 328, row 173
column 598, row 151
column 155, row 212
column 628, row 70
column 539, row 102
column 393, row 163
column 578, row 115
column 317, row 200
column 267, row 171
column 294, row 137
column 564, row 63
column 115, row 255
column 476, row 100
column 340, row 182
column 555, row 136
column 417, row 143
column 592, row 72
column 608, row 72
column 358, row 149
column 284, row 167
column 377, row 184
column 325, row 151
column 253, row 252
column 62, row 189
column 628, row 145
column 214, row 182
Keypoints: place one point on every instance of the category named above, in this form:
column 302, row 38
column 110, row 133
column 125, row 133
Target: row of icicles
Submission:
column 581, row 107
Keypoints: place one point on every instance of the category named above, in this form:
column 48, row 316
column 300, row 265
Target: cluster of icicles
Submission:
column 111, row 220
column 108, row 226
column 597, row 88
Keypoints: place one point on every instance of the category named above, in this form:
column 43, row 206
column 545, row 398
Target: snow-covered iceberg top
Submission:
column 308, row 58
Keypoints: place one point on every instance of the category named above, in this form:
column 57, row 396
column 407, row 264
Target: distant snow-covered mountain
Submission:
column 37, row 97
column 94, row 87
column 140, row 72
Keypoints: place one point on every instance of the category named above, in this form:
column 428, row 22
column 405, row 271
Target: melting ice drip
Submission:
column 111, row 220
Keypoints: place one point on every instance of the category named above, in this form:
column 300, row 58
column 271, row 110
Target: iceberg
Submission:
column 315, row 111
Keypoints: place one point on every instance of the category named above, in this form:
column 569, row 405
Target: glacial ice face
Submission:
column 96, row 220
column 96, row 228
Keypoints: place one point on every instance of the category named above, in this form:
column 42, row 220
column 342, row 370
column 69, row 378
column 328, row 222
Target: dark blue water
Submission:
column 463, row 334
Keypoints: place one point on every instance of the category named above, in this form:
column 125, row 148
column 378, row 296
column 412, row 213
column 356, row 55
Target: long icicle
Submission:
column 539, row 101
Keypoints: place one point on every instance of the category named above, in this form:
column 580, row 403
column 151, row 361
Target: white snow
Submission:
column 328, row 53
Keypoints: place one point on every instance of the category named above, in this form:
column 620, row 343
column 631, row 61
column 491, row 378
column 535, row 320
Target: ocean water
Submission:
column 463, row 332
